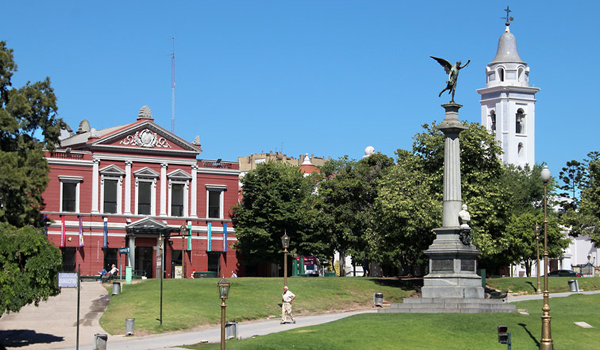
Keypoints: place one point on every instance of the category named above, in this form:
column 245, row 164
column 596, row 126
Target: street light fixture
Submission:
column 537, row 248
column 546, row 341
column 223, row 285
column 285, row 242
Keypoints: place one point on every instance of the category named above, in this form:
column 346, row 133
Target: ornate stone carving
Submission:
column 147, row 139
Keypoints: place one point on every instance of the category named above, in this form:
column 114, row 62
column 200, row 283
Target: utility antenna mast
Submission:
column 173, row 88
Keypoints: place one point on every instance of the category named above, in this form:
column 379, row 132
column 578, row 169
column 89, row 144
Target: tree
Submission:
column 274, row 201
column 24, row 113
column 572, row 176
column 584, row 217
column 345, row 202
column 405, row 213
column 521, row 238
column 29, row 264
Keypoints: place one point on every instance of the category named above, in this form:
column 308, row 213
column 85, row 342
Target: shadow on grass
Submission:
column 532, row 286
column 537, row 343
column 406, row 283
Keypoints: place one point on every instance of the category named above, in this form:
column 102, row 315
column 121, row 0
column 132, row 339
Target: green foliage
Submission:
column 345, row 202
column 24, row 113
column 28, row 262
column 520, row 235
column 29, row 267
column 274, row 202
column 583, row 217
column 405, row 214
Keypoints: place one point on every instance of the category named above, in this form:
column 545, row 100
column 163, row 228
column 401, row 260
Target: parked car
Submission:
column 564, row 273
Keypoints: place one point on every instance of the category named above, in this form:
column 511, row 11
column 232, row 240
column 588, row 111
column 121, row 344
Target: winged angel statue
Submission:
column 452, row 71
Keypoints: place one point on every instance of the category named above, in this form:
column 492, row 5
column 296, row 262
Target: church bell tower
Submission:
column 508, row 102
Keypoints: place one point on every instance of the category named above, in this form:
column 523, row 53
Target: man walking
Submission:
column 286, row 307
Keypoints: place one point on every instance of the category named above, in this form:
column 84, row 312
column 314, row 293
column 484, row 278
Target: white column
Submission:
column 163, row 189
column 128, row 187
column 194, row 191
column 95, row 185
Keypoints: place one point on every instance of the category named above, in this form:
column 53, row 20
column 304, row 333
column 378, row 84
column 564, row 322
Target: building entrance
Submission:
column 143, row 261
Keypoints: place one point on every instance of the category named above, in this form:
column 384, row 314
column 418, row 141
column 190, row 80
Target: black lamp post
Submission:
column 285, row 242
column 546, row 341
column 537, row 248
column 223, row 285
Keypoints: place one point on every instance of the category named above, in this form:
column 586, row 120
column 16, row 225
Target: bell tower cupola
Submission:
column 508, row 102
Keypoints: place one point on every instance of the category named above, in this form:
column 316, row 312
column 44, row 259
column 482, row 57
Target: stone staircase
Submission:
column 450, row 305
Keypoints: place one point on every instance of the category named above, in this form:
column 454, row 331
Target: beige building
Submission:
column 250, row 162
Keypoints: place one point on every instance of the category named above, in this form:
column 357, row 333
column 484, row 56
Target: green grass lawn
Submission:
column 528, row 285
column 191, row 303
column 442, row 331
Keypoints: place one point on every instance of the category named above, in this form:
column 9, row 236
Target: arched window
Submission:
column 520, row 152
column 520, row 122
column 521, row 75
column 501, row 74
column 493, row 121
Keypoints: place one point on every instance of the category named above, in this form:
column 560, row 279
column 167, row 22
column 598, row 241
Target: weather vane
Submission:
column 507, row 18
column 452, row 71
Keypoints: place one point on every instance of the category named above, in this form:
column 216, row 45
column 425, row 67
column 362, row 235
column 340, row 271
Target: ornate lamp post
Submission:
column 546, row 341
column 223, row 285
column 537, row 248
column 160, row 257
column 285, row 242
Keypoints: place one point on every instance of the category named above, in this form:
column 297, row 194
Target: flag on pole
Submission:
column 46, row 225
column 63, row 232
column 208, row 236
column 189, row 241
column 224, row 236
column 105, row 245
column 81, row 242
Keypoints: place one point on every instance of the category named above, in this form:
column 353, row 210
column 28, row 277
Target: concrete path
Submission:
column 54, row 323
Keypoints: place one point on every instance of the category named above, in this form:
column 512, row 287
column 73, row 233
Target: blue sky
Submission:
column 321, row 77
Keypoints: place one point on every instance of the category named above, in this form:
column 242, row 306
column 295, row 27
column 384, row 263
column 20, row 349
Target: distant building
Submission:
column 125, row 186
column 251, row 162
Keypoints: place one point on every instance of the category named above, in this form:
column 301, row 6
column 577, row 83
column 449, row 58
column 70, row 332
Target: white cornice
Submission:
column 75, row 162
column 217, row 171
column 509, row 88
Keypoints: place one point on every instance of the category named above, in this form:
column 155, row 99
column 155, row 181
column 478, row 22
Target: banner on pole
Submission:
column 208, row 236
column 81, row 241
column 105, row 244
column 189, row 240
column 224, row 237
column 63, row 231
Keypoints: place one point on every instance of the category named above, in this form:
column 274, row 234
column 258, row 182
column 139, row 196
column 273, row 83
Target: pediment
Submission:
column 148, row 225
column 146, row 172
column 112, row 170
column 145, row 137
column 179, row 175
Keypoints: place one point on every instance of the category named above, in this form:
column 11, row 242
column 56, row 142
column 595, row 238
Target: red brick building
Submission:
column 128, row 185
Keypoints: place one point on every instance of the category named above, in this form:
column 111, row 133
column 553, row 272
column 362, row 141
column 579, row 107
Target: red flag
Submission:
column 62, row 231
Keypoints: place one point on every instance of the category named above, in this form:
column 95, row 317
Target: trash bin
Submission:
column 231, row 330
column 378, row 299
column 129, row 326
column 100, row 341
column 574, row 286
column 116, row 288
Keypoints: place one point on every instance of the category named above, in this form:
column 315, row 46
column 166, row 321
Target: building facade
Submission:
column 508, row 103
column 129, row 194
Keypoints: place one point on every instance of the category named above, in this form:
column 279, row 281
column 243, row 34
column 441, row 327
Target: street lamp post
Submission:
column 285, row 241
column 160, row 257
column 223, row 285
column 546, row 341
column 537, row 248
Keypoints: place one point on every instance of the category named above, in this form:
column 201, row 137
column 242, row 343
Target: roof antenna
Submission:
column 173, row 88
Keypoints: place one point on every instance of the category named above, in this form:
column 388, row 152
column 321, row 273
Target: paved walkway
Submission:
column 53, row 324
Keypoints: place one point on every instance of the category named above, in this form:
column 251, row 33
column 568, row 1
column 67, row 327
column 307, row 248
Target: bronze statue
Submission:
column 452, row 71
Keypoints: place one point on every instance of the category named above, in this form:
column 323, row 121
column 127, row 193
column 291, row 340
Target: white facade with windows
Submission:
column 508, row 103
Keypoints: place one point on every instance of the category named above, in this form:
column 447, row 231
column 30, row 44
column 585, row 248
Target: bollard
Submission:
column 129, row 326
column 231, row 330
column 100, row 341
column 378, row 299
column 116, row 288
